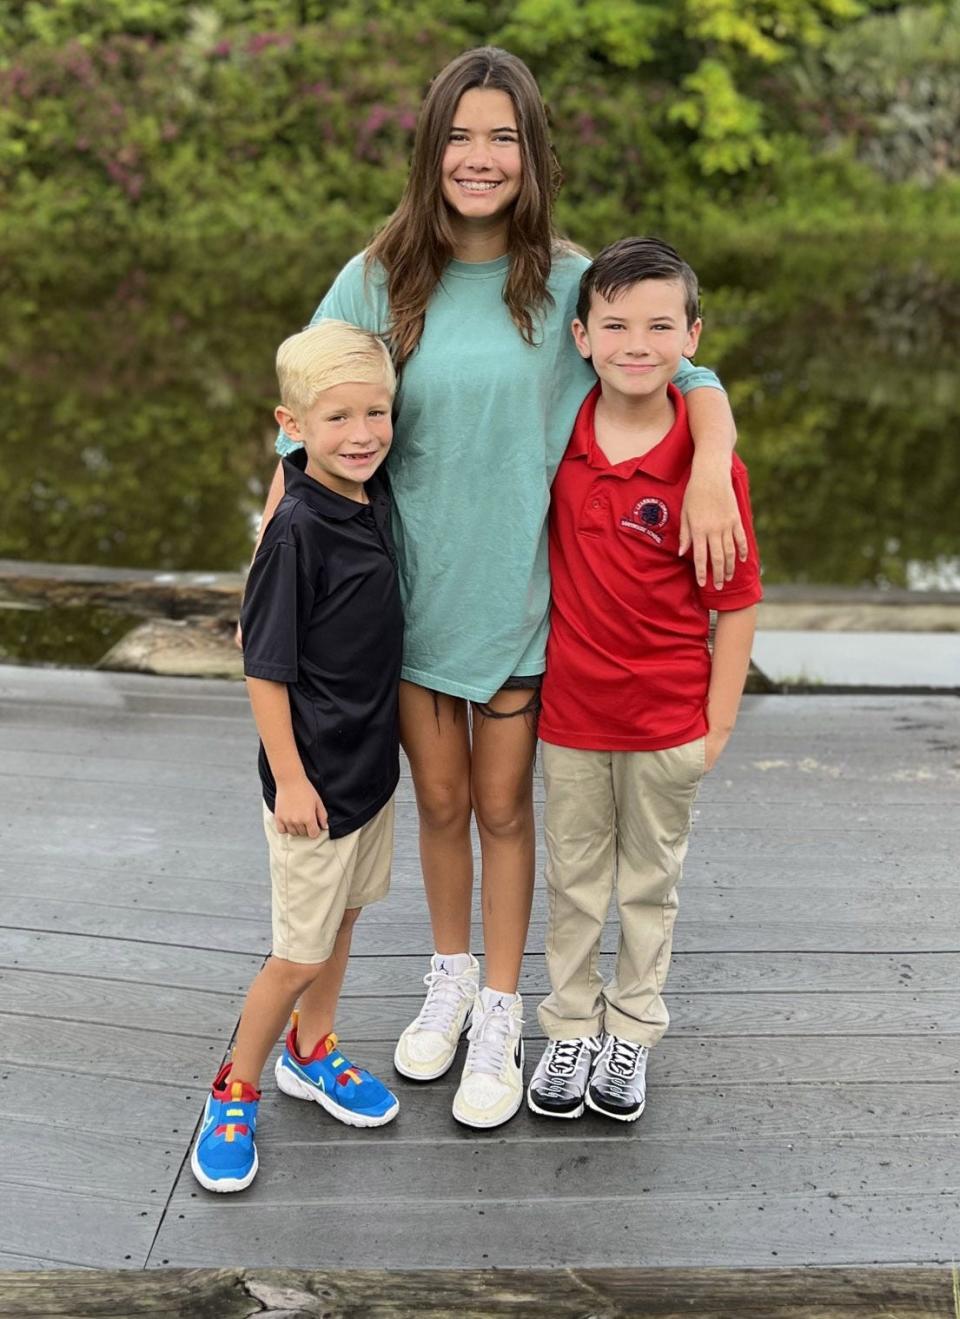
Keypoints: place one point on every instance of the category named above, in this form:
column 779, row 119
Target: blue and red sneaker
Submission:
column 330, row 1079
column 224, row 1157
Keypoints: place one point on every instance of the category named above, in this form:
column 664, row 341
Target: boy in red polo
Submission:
column 634, row 711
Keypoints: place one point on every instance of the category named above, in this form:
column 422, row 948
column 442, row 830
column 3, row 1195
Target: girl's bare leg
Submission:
column 502, row 792
column 436, row 738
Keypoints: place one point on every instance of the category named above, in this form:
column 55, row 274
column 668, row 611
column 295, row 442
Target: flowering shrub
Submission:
column 181, row 184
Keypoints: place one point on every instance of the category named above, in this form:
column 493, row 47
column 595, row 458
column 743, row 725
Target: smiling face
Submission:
column 346, row 434
column 482, row 168
column 637, row 338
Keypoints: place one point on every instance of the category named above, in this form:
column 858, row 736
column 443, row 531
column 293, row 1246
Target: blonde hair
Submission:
column 327, row 354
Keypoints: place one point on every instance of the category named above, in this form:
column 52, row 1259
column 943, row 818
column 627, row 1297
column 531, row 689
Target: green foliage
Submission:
column 891, row 87
column 181, row 183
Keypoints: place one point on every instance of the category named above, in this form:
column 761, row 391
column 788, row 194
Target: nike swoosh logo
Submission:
column 307, row 1077
column 208, row 1120
column 518, row 1053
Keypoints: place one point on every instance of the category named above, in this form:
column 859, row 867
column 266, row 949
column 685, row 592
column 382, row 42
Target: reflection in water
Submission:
column 846, row 395
column 138, row 425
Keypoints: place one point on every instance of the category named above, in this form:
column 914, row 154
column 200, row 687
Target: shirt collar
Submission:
column 325, row 501
column 668, row 460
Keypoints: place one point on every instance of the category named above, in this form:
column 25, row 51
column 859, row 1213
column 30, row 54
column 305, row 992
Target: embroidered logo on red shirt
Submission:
column 649, row 518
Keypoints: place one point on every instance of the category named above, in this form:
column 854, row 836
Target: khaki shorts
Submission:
column 315, row 880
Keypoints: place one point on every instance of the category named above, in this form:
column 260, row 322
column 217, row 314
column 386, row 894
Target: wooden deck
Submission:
column 803, row 1108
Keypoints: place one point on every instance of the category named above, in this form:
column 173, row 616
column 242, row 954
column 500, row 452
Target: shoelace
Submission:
column 622, row 1066
column 562, row 1064
column 444, row 995
column 490, row 1035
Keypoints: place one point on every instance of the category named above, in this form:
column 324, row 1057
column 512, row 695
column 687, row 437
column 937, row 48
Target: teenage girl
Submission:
column 475, row 292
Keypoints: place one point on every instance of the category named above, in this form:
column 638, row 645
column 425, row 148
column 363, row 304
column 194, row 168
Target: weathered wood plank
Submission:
column 388, row 937
column 122, row 1052
column 920, row 1293
column 617, row 1167
column 153, row 964
column 777, row 920
column 63, row 900
column 740, row 779
column 743, row 903
column 36, row 1263
column 710, row 890
column 104, row 878
column 111, row 1052
column 127, row 1108
column 690, row 973
column 195, row 1012
column 41, row 1155
column 126, row 1294
column 628, row 1233
column 33, row 995
column 179, row 804
column 79, row 1228
column 674, row 1111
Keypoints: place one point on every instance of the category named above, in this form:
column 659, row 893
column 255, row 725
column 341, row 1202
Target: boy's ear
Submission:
column 579, row 332
column 288, row 422
column 693, row 338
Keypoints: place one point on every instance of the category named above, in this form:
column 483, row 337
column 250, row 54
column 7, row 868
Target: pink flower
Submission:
column 262, row 40
column 378, row 116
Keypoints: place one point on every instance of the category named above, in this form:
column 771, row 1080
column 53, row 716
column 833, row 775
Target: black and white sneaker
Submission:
column 559, row 1084
column 618, row 1082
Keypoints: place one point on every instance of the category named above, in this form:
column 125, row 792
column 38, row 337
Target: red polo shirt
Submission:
column 627, row 661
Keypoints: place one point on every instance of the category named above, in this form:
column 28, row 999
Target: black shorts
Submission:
column 531, row 682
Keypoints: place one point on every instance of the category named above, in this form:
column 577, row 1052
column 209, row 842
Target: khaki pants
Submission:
column 614, row 821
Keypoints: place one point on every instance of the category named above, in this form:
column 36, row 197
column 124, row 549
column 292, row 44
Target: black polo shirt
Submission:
column 321, row 613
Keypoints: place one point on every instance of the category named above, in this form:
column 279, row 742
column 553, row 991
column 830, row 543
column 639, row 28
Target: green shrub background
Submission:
column 181, row 184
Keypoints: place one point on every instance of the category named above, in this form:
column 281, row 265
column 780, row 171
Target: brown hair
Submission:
column 417, row 241
column 625, row 263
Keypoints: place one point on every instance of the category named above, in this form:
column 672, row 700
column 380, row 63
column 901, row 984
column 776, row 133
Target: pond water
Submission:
column 137, row 406
column 73, row 635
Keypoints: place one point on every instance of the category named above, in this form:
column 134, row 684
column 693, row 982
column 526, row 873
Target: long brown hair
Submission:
column 417, row 241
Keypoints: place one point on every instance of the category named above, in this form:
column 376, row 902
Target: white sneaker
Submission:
column 491, row 1086
column 427, row 1047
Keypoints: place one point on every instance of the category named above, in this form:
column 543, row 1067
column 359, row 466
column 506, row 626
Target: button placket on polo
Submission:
column 594, row 511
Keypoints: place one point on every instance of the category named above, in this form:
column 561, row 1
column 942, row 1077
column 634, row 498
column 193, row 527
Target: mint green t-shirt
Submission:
column 482, row 420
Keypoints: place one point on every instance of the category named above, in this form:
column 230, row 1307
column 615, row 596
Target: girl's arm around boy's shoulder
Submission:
column 743, row 588
column 689, row 376
column 358, row 295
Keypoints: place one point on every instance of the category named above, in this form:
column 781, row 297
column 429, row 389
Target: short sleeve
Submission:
column 276, row 607
column 743, row 589
column 357, row 296
column 689, row 377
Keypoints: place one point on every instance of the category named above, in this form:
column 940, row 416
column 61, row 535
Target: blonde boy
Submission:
column 322, row 636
